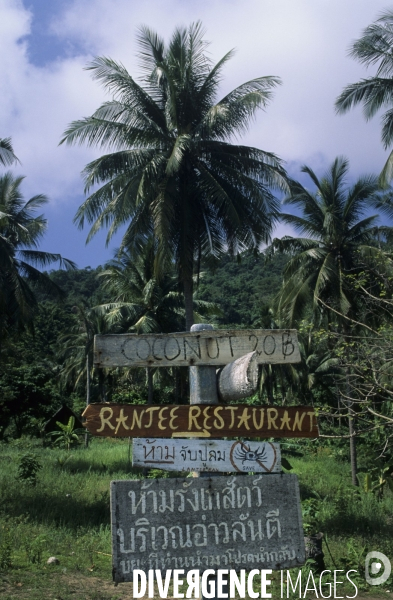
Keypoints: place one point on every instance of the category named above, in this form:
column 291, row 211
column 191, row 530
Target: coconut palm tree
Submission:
column 20, row 233
column 340, row 237
column 140, row 301
column 340, row 241
column 76, row 350
column 143, row 302
column 374, row 47
column 7, row 156
column 171, row 167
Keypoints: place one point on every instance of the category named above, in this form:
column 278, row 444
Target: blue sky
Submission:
column 45, row 45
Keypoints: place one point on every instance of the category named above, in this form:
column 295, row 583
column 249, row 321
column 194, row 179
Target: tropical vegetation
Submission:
column 173, row 170
column 20, row 233
column 199, row 214
column 7, row 156
column 374, row 47
column 340, row 241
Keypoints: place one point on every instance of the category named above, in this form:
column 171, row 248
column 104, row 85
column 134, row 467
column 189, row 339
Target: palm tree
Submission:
column 77, row 350
column 7, row 156
column 172, row 168
column 340, row 241
column 142, row 302
column 340, row 238
column 287, row 382
column 20, row 234
column 375, row 47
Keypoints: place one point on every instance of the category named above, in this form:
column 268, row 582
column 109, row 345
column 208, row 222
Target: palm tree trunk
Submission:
column 188, row 302
column 101, row 385
column 352, row 439
column 351, row 416
column 87, row 392
column 352, row 448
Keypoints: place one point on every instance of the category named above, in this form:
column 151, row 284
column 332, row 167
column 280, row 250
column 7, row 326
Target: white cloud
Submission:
column 304, row 42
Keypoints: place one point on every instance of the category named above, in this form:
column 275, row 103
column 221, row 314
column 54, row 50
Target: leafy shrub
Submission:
column 67, row 436
column 28, row 469
column 34, row 548
column 310, row 510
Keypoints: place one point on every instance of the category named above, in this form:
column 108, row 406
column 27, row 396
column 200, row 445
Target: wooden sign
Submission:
column 200, row 420
column 239, row 522
column 207, row 347
column 207, row 455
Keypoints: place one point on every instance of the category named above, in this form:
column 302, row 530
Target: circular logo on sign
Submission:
column 248, row 456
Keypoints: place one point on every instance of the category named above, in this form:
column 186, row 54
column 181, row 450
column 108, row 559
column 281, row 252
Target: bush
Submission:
column 28, row 469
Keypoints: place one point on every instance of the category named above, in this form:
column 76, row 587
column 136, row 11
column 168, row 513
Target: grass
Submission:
column 66, row 514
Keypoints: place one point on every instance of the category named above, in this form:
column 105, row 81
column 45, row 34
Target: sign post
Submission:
column 206, row 521
column 203, row 386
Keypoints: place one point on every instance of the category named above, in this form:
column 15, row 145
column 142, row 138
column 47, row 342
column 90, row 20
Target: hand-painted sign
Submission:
column 207, row 455
column 207, row 347
column 240, row 522
column 201, row 421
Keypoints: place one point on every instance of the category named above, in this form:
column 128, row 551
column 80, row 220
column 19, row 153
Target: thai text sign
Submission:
column 200, row 420
column 207, row 455
column 195, row 348
column 240, row 522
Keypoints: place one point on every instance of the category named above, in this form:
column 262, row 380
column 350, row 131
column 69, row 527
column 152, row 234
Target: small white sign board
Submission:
column 207, row 455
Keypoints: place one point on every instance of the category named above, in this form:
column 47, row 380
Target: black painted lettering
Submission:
column 269, row 345
column 167, row 341
column 139, row 348
column 288, row 347
column 196, row 351
column 127, row 352
column 208, row 341
column 153, row 349
column 256, row 343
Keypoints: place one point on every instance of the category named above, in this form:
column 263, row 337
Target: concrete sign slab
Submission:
column 238, row 522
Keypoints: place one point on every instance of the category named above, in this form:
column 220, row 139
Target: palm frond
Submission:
column 7, row 156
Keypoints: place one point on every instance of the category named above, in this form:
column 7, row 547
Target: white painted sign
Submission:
column 207, row 455
column 208, row 347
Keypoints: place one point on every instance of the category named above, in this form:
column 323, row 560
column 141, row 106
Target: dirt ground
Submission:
column 64, row 587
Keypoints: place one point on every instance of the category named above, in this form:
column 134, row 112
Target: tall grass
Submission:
column 66, row 514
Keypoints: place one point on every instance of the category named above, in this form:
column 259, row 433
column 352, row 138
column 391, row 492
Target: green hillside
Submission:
column 242, row 288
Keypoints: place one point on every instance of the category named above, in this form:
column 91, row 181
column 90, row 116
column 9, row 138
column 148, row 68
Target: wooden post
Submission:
column 87, row 392
column 203, row 390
